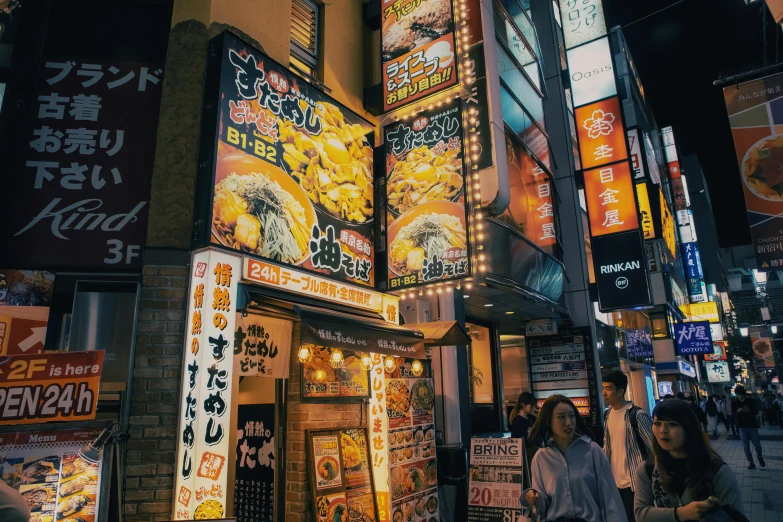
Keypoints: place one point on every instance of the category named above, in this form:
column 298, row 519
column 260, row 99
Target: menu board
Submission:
column 426, row 218
column 46, row 469
column 339, row 467
column 563, row 364
column 412, row 465
column 254, row 476
column 418, row 55
column 495, row 475
column 321, row 381
column 293, row 169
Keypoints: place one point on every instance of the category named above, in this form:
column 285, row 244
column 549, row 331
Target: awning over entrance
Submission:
column 324, row 327
column 442, row 333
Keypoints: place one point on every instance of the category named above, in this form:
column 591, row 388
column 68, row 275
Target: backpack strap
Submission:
column 635, row 427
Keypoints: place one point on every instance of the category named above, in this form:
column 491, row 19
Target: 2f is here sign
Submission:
column 49, row 387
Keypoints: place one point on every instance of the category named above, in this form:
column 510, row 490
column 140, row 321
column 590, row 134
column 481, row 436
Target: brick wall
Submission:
column 298, row 502
column 151, row 454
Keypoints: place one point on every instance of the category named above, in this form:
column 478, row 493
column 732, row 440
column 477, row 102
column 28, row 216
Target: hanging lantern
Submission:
column 417, row 368
column 336, row 359
column 319, row 375
column 390, row 364
column 305, row 354
column 366, row 361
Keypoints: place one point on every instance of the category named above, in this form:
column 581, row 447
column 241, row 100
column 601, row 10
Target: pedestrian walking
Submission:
column 746, row 412
column 711, row 409
column 729, row 415
column 686, row 479
column 522, row 418
column 720, row 400
column 627, row 436
column 700, row 415
column 759, row 408
column 769, row 409
column 571, row 477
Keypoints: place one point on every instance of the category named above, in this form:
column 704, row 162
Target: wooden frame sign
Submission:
column 340, row 475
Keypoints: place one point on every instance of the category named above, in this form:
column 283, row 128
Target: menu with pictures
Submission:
column 412, row 465
column 321, row 381
column 339, row 467
column 46, row 469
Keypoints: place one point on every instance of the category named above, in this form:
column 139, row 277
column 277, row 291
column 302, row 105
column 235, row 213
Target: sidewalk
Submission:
column 762, row 488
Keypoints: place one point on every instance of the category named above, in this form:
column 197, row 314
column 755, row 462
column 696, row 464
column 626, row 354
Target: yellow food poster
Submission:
column 326, row 455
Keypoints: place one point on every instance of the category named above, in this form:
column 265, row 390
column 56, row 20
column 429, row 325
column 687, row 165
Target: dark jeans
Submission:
column 627, row 495
column 730, row 422
column 747, row 435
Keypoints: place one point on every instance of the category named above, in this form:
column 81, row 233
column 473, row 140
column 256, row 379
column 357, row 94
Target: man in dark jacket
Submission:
column 746, row 413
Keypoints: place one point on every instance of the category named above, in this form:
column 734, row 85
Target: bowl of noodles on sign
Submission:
column 259, row 209
column 423, row 231
column 762, row 168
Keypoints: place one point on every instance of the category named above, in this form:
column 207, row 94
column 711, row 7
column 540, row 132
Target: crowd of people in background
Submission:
column 658, row 468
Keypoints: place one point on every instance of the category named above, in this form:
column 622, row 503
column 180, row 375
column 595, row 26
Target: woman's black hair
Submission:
column 525, row 398
column 542, row 429
column 703, row 462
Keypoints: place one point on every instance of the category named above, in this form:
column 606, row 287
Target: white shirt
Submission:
column 616, row 426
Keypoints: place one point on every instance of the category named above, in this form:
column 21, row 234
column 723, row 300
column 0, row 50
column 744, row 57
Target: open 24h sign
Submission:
column 693, row 338
column 49, row 387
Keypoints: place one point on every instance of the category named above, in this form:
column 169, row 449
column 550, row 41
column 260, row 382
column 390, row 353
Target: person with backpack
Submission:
column 746, row 411
column 627, row 436
column 711, row 409
column 686, row 479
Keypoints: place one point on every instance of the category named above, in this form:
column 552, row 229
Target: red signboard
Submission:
column 601, row 134
column 611, row 206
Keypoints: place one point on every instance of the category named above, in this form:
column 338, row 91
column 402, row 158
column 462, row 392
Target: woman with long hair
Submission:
column 522, row 418
column 570, row 474
column 686, row 478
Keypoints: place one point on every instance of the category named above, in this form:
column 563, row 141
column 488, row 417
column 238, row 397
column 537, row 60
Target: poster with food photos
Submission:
column 321, row 381
column 292, row 178
column 426, row 216
column 412, row 465
column 340, row 478
column 254, row 471
column 54, row 481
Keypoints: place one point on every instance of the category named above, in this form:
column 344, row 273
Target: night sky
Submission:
column 679, row 53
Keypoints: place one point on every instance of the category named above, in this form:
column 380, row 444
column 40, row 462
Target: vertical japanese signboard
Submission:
column 583, row 21
column 564, row 364
column 418, row 52
column 755, row 119
column 262, row 345
column 645, row 211
column 496, row 477
column 426, row 218
column 600, row 131
column 83, row 186
column 254, row 477
column 291, row 170
column 207, row 377
column 611, row 202
column 636, row 154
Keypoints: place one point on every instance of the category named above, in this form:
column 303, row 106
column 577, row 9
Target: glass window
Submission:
column 523, row 125
column 516, row 378
column 660, row 327
column 482, row 389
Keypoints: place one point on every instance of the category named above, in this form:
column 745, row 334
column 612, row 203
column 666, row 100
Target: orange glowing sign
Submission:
column 601, row 133
column 611, row 206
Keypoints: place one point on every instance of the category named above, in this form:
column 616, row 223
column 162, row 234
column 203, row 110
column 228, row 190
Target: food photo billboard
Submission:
column 418, row 53
column 426, row 217
column 290, row 169
column 756, row 117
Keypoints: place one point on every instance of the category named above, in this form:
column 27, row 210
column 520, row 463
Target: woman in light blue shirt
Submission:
column 571, row 477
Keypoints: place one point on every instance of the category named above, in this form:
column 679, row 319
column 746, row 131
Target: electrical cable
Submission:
column 653, row 14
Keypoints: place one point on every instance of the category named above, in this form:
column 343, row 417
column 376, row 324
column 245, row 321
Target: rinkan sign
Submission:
column 621, row 278
column 620, row 267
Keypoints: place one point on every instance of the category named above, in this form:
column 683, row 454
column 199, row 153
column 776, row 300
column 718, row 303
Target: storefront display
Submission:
column 321, row 381
column 496, row 480
column 427, row 221
column 292, row 169
column 45, row 467
column 49, row 387
column 341, row 482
